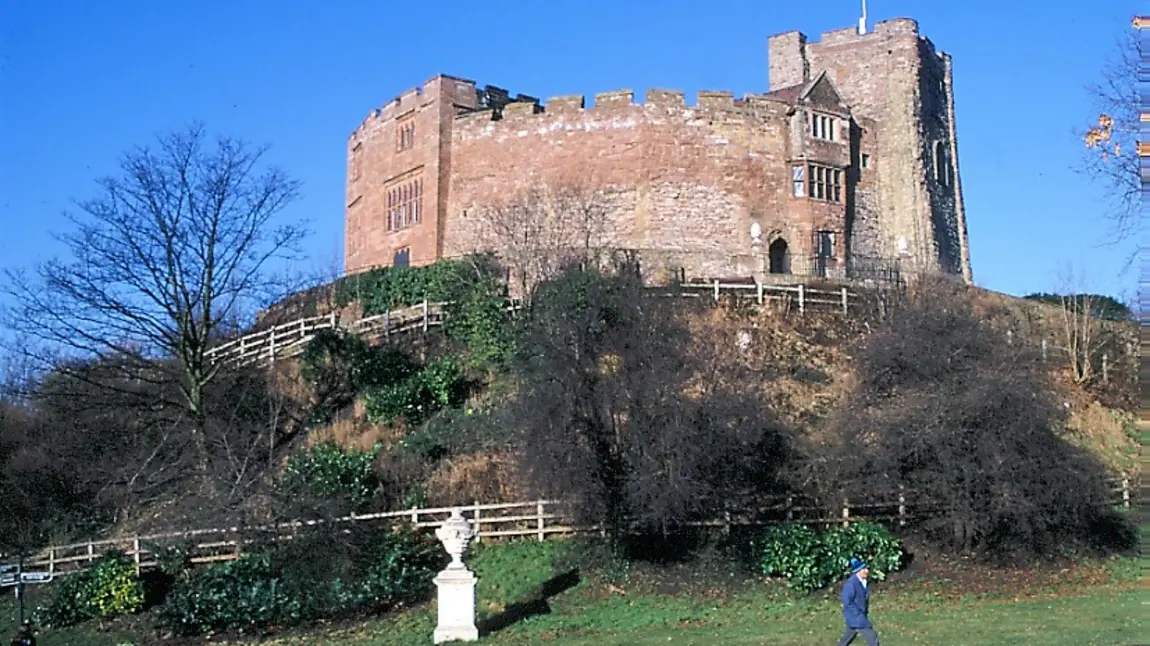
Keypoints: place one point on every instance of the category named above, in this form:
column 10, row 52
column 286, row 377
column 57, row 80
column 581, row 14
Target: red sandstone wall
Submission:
column 378, row 166
column 682, row 181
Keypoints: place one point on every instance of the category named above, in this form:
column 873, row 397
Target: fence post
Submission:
column 844, row 301
column 539, row 511
column 1126, row 491
column 901, row 506
column 790, row 508
column 846, row 514
column 272, row 346
column 760, row 293
column 716, row 290
column 415, row 516
column 1105, row 368
column 243, row 347
column 387, row 323
column 478, row 534
column 51, row 559
column 91, row 552
column 1044, row 349
column 333, row 319
column 425, row 315
column 136, row 552
column 727, row 523
column 801, row 300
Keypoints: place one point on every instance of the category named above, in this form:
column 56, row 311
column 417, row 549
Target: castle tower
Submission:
column 894, row 77
column 397, row 176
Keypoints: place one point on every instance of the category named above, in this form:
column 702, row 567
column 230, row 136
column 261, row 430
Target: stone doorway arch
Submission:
column 780, row 257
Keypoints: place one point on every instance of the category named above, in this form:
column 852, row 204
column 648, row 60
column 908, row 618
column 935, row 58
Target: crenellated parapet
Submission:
column 656, row 102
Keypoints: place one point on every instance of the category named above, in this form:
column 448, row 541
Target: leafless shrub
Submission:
column 948, row 407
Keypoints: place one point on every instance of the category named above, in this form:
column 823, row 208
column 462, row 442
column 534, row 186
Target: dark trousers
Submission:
column 868, row 634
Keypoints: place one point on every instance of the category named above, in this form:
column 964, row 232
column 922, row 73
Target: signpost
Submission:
column 13, row 574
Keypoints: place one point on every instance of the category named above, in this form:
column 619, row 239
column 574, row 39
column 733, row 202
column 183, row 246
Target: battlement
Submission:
column 463, row 93
column 892, row 27
column 616, row 101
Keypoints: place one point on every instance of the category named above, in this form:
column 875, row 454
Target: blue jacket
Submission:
column 856, row 603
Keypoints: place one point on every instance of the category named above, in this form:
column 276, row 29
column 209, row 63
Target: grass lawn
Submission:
column 951, row 604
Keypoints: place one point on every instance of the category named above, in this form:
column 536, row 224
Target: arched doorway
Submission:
column 780, row 258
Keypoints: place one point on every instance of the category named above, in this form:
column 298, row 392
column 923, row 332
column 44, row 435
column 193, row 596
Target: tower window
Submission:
column 405, row 135
column 825, row 183
column 823, row 127
column 942, row 167
column 798, row 190
column 405, row 206
column 866, row 161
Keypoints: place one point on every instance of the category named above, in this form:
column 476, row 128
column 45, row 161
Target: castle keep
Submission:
column 849, row 160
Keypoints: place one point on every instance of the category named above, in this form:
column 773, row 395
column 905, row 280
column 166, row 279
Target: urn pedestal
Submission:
column 456, row 584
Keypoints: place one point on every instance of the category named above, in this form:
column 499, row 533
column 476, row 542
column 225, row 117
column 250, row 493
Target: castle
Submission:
column 849, row 159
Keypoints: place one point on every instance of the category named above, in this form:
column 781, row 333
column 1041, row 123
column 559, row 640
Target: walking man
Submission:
column 856, row 605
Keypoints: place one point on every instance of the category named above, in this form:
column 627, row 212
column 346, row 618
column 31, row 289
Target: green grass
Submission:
column 1100, row 604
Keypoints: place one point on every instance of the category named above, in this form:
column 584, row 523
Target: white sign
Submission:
column 25, row 577
column 36, row 577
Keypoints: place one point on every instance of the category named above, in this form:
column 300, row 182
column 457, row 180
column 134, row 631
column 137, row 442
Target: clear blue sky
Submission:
column 80, row 82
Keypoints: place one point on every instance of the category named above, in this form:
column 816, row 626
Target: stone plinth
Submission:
column 456, row 606
column 456, row 584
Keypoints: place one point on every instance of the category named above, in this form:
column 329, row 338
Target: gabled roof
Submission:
column 819, row 90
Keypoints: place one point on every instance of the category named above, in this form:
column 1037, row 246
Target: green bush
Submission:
column 408, row 399
column 479, row 321
column 809, row 560
column 437, row 385
column 239, row 594
column 327, row 470
column 455, row 431
column 339, row 366
column 106, row 589
column 316, row 577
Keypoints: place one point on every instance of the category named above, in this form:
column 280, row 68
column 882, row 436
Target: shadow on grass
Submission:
column 535, row 605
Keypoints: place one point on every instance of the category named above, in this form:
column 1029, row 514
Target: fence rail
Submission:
column 537, row 520
column 289, row 339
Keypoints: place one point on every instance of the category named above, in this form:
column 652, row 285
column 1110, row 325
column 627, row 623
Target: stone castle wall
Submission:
column 680, row 180
column 675, row 178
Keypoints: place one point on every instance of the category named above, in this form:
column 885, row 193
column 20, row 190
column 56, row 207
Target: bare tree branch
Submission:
column 540, row 230
column 163, row 260
column 1111, row 157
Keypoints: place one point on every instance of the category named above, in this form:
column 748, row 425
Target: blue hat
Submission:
column 858, row 564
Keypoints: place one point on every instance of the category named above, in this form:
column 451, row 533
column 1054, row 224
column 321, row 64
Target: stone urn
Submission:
column 456, row 584
column 456, row 534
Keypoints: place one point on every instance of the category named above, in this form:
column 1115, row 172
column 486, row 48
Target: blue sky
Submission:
column 80, row 82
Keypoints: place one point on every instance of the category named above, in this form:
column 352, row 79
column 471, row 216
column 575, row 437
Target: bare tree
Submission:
column 618, row 411
column 166, row 254
column 1082, row 330
column 1111, row 156
column 543, row 228
column 969, row 423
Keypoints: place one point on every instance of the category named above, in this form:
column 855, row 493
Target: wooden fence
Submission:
column 536, row 520
column 289, row 339
column 800, row 296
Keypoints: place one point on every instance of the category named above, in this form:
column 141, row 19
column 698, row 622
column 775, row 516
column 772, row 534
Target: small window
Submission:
column 825, row 183
column 405, row 135
column 866, row 161
column 402, row 257
column 823, row 127
column 942, row 168
column 797, row 181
